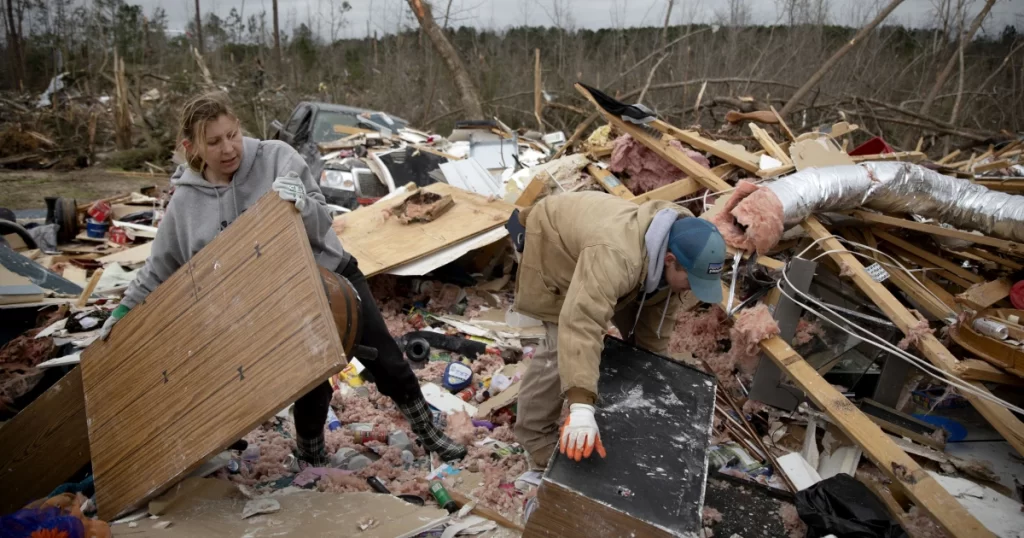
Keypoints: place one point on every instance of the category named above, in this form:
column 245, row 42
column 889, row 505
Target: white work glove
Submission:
column 118, row 313
column 290, row 189
column 579, row 435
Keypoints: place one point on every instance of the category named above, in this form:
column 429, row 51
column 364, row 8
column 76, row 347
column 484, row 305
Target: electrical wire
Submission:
column 880, row 343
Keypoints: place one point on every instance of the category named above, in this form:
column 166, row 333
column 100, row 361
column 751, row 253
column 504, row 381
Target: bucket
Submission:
column 96, row 229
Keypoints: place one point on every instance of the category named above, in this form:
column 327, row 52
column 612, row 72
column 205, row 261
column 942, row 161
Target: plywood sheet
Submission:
column 381, row 244
column 240, row 331
column 43, row 445
column 131, row 256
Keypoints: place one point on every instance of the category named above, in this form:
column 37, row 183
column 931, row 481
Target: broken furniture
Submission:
column 655, row 417
column 240, row 331
column 1005, row 352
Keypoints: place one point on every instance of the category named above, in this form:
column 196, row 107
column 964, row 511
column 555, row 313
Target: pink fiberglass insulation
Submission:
column 914, row 336
column 806, row 330
column 710, row 516
column 751, row 327
column 751, row 219
column 497, row 490
column 699, row 332
column 647, row 170
column 487, row 364
column 460, row 428
column 431, row 372
column 795, row 527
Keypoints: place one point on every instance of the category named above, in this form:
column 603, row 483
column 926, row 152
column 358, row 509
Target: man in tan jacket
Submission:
column 590, row 259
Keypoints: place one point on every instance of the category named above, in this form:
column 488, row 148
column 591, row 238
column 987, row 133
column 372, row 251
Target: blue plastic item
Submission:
column 96, row 229
column 954, row 430
column 457, row 376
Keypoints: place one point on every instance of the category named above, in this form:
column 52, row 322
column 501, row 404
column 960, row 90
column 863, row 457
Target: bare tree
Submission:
column 464, row 84
column 199, row 28
column 14, row 40
column 277, row 38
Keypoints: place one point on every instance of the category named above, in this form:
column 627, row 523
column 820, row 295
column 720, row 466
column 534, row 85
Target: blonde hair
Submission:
column 194, row 117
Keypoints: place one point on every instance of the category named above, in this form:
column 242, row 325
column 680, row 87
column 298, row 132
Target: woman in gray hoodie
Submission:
column 225, row 174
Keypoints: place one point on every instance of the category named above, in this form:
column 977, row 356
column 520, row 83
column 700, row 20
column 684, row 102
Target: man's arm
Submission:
column 602, row 276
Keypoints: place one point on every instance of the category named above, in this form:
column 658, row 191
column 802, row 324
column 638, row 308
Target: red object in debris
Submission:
column 118, row 236
column 1017, row 295
column 100, row 211
column 873, row 147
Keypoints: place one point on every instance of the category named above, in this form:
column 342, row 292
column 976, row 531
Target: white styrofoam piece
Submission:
column 73, row 358
column 799, row 471
column 998, row 513
column 52, row 329
column 449, row 254
column 444, row 400
column 843, row 460
column 768, row 162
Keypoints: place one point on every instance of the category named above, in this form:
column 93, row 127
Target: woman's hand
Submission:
column 290, row 188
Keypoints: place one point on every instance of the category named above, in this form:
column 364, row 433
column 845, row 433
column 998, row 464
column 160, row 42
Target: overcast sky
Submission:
column 386, row 16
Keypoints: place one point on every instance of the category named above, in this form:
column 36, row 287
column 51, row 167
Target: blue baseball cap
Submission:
column 700, row 249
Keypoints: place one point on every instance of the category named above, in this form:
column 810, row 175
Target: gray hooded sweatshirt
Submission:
column 199, row 210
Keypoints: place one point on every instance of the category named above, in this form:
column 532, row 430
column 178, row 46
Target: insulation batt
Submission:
column 751, row 326
column 648, row 171
column 751, row 219
column 699, row 332
column 914, row 336
column 806, row 330
column 795, row 527
column 710, row 516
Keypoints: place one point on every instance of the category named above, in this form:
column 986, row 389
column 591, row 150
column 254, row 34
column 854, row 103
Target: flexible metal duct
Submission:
column 901, row 188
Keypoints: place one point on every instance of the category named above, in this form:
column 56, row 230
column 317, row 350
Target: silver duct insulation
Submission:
column 894, row 187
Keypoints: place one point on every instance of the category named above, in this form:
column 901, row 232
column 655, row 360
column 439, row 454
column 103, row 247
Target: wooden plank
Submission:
column 609, row 182
column 902, row 156
column 682, row 188
column 994, row 165
column 381, row 244
column 770, row 146
column 133, row 255
column 948, row 157
column 76, row 274
column 1001, row 418
column 731, row 153
column 44, row 445
column 979, row 370
column 533, row 191
column 988, row 293
column 83, row 299
column 986, row 255
column 240, row 331
column 1013, row 185
column 661, row 148
column 878, row 447
column 939, row 261
column 1001, row 244
column 910, row 259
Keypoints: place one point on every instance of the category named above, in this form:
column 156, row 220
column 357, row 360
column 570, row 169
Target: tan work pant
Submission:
column 540, row 395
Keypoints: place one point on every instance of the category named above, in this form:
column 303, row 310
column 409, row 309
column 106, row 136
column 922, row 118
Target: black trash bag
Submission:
column 846, row 508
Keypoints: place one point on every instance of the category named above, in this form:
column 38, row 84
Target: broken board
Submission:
column 381, row 244
column 655, row 416
column 44, row 445
column 233, row 336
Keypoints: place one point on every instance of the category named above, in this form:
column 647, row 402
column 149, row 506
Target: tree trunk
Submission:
column 831, row 62
column 199, row 29
column 277, row 39
column 17, row 60
column 468, row 93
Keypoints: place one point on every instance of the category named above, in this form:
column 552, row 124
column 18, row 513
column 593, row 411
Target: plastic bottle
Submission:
column 333, row 422
column 467, row 394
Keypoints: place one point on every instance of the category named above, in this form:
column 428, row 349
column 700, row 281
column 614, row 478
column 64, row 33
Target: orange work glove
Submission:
column 579, row 435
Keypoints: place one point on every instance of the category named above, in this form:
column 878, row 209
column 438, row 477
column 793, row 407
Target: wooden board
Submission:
column 1001, row 244
column 770, row 146
column 680, row 189
column 1008, row 425
column 609, row 182
column 731, row 153
column 902, row 156
column 979, row 370
column 233, row 336
column 661, row 147
column 131, row 256
column 44, row 445
column 655, row 417
column 939, row 261
column 988, row 293
column 382, row 244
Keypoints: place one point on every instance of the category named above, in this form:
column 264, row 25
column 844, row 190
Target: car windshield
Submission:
column 331, row 125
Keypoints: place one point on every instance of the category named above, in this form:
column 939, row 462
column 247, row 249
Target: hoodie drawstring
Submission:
column 664, row 312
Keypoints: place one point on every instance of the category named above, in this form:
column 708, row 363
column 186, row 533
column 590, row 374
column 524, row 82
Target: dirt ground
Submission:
column 25, row 189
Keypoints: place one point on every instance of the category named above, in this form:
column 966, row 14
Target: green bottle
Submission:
column 443, row 499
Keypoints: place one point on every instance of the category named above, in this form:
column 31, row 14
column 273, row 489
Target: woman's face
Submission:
column 221, row 147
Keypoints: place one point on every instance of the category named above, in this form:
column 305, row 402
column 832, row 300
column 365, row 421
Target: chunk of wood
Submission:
column 241, row 330
column 44, row 445
column 979, row 370
column 988, row 293
column 83, row 299
column 770, row 146
column 732, row 153
column 609, row 182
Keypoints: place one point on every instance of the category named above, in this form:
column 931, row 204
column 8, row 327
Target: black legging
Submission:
column 392, row 374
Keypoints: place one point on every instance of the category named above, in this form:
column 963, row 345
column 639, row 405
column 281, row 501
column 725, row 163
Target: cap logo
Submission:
column 714, row 268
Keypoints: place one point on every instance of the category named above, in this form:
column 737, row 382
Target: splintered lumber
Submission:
column 877, row 446
column 380, row 242
column 655, row 452
column 661, row 147
column 239, row 332
column 1013, row 185
column 609, row 182
column 979, row 370
column 44, row 445
column 939, row 261
column 988, row 293
column 1001, row 244
column 770, row 146
column 999, row 417
column 727, row 151
column 986, row 255
column 83, row 299
column 670, row 192
column 903, row 156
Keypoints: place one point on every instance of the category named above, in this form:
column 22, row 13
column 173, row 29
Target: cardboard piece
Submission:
column 818, row 153
column 16, row 289
column 233, row 336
